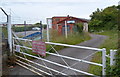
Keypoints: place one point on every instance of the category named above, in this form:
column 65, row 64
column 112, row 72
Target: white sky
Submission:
column 35, row 10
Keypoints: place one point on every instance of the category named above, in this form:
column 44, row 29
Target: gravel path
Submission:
column 96, row 41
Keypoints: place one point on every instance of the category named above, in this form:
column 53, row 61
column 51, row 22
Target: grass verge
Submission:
column 110, row 43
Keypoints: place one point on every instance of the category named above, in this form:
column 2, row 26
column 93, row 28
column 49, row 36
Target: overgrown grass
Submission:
column 72, row 39
column 110, row 43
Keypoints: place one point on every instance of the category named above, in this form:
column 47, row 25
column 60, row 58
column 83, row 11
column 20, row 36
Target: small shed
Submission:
column 60, row 22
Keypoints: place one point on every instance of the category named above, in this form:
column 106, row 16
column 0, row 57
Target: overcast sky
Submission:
column 35, row 10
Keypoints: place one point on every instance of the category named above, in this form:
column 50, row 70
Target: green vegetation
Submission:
column 110, row 43
column 72, row 39
column 104, row 19
column 105, row 22
column 28, row 27
column 22, row 28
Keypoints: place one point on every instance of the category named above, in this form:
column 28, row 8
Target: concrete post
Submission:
column 9, row 33
column 85, row 27
column 25, row 27
column 112, row 57
column 48, row 39
column 66, row 29
column 57, row 26
column 41, row 30
column 104, row 61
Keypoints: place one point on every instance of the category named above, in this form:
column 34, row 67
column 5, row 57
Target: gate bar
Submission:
column 75, row 46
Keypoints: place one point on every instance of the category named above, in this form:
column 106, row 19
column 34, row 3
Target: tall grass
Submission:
column 72, row 39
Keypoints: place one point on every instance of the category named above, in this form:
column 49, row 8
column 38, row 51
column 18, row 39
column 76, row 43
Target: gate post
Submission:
column 104, row 61
column 112, row 57
column 9, row 33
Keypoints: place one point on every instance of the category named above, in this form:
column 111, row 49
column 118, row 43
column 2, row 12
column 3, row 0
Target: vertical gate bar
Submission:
column 104, row 61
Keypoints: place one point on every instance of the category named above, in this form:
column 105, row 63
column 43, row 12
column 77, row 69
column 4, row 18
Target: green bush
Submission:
column 104, row 19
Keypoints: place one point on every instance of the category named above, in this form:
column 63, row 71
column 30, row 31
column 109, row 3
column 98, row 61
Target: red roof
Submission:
column 70, row 17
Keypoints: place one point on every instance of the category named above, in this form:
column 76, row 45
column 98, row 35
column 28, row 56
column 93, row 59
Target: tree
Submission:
column 105, row 19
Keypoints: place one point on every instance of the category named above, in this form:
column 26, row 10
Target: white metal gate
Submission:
column 29, row 64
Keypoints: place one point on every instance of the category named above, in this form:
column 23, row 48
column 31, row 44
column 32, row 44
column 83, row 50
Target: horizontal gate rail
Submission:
column 80, row 60
column 75, row 46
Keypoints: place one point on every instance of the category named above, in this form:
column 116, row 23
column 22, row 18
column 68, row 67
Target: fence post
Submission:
column 41, row 29
column 25, row 27
column 9, row 32
column 66, row 29
column 104, row 61
column 112, row 57
column 48, row 39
